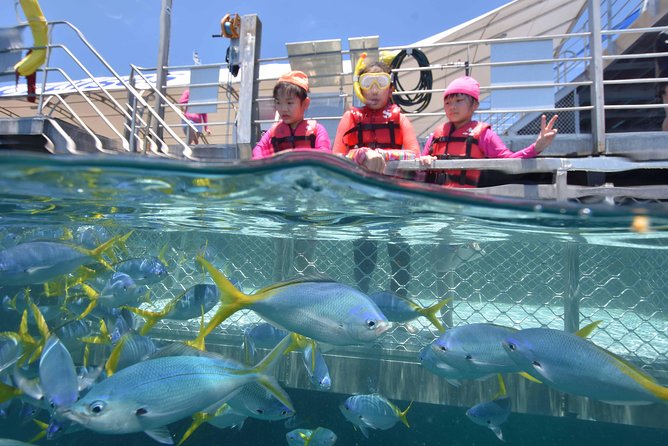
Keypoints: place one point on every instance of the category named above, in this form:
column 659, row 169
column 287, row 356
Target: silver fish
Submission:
column 432, row 363
column 570, row 364
column 372, row 411
column 40, row 262
column 320, row 436
column 325, row 311
column 57, row 375
column 144, row 271
column 316, row 368
column 475, row 350
column 491, row 414
column 151, row 394
column 401, row 309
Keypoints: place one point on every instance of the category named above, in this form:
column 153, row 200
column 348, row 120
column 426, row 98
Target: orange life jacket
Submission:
column 450, row 143
column 284, row 138
column 376, row 129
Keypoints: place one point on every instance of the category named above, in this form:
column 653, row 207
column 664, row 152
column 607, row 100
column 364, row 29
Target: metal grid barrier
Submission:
column 520, row 282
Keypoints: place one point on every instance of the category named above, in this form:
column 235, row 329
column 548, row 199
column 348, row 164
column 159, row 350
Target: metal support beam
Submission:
column 248, row 132
column 163, row 61
column 596, row 75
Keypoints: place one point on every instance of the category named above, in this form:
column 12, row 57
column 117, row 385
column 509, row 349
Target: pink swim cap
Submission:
column 466, row 85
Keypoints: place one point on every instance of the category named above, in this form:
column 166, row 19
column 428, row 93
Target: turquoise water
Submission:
column 510, row 262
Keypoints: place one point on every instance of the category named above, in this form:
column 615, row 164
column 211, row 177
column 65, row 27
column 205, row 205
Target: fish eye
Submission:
column 260, row 411
column 444, row 348
column 512, row 347
column 370, row 323
column 96, row 407
column 536, row 364
column 469, row 357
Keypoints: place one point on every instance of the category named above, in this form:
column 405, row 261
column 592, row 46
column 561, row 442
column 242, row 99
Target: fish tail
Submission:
column 42, row 431
column 402, row 415
column 585, row 331
column 232, row 300
column 92, row 295
column 151, row 317
column 8, row 392
column 430, row 313
column 112, row 362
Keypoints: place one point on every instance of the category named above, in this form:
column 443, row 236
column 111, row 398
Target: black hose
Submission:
column 408, row 101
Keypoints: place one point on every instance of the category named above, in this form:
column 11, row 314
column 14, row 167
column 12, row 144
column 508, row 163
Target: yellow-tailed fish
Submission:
column 373, row 412
column 568, row 363
column 491, row 414
column 325, row 311
column 402, row 309
column 42, row 261
column 154, row 393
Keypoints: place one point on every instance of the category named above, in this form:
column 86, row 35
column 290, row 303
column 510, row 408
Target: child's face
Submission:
column 375, row 97
column 459, row 109
column 291, row 109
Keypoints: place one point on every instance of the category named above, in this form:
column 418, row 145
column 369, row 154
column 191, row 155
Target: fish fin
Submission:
column 161, row 435
column 294, row 281
column 35, row 269
column 497, row 431
column 198, row 419
column 161, row 254
column 249, row 349
column 232, row 300
column 585, row 331
column 502, row 388
column 530, row 377
column 364, row 430
column 402, row 415
column 272, row 386
column 430, row 313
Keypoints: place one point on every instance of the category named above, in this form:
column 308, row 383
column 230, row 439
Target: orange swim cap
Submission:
column 297, row 78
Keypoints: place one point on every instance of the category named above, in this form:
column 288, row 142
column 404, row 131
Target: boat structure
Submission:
column 599, row 65
column 595, row 64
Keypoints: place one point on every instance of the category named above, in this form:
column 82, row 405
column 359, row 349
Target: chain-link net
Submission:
column 514, row 282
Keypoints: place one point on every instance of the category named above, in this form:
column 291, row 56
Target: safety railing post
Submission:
column 248, row 131
column 596, row 74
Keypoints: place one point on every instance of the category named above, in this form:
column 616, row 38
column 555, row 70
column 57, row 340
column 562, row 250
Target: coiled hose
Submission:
column 408, row 101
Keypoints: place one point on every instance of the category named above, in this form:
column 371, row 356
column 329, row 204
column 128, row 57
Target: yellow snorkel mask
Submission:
column 359, row 66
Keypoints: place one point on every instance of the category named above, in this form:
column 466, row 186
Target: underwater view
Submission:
column 142, row 298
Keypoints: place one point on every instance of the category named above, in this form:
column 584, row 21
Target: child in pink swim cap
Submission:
column 462, row 138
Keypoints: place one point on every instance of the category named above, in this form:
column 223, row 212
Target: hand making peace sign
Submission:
column 547, row 133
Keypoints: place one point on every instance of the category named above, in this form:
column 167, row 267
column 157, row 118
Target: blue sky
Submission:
column 127, row 31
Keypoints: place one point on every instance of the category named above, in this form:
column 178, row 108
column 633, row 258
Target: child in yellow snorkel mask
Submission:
column 377, row 132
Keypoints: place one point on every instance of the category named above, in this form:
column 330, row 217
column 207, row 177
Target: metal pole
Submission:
column 163, row 61
column 248, row 131
column 596, row 74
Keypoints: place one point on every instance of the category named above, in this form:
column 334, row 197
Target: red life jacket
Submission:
column 450, row 143
column 284, row 138
column 376, row 129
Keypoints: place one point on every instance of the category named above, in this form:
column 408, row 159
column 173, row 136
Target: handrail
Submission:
column 187, row 152
column 166, row 101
